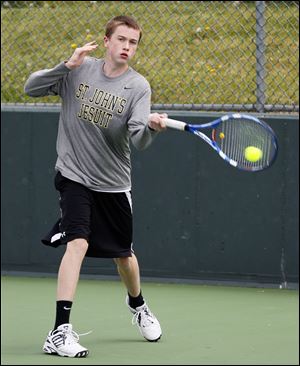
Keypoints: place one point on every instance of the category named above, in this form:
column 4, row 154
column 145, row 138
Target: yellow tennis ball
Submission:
column 221, row 135
column 253, row 154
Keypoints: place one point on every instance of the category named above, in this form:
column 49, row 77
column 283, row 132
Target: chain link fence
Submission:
column 197, row 55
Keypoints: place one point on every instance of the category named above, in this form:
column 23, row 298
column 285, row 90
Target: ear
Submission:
column 105, row 40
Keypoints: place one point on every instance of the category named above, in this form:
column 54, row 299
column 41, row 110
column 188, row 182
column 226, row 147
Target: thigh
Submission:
column 111, row 235
column 76, row 202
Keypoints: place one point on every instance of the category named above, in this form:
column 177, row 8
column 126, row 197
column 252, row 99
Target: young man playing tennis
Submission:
column 105, row 104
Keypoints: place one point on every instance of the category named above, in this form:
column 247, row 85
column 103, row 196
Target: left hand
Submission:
column 155, row 121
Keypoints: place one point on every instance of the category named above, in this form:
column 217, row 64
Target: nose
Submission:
column 126, row 46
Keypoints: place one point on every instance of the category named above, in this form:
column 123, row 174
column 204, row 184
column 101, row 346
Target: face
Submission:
column 122, row 44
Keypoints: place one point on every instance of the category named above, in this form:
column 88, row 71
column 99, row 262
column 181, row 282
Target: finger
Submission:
column 163, row 125
column 89, row 46
column 91, row 43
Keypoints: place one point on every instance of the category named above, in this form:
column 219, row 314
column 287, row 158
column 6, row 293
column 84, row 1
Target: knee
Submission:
column 77, row 247
column 123, row 262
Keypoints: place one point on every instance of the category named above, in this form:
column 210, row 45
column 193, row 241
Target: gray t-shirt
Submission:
column 98, row 118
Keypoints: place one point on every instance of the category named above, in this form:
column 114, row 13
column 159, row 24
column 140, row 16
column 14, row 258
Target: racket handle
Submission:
column 173, row 123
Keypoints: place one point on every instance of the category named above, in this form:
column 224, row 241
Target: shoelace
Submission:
column 75, row 336
column 138, row 316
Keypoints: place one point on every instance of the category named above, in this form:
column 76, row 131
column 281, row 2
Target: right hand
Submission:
column 79, row 54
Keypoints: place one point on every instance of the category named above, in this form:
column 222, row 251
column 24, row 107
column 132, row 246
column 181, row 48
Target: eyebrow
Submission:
column 130, row 39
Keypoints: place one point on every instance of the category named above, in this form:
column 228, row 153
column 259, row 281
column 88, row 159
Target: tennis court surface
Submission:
column 202, row 325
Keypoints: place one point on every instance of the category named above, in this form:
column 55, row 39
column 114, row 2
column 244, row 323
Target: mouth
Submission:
column 124, row 56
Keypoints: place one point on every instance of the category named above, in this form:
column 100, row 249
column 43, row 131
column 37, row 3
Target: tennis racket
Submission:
column 243, row 141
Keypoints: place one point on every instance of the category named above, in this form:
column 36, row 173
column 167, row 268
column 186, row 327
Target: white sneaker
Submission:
column 64, row 342
column 147, row 323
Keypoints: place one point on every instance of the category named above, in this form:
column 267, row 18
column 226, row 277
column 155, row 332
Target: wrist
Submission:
column 150, row 128
column 70, row 65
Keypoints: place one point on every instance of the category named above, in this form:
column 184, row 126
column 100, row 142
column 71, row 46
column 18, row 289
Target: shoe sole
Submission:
column 50, row 351
column 81, row 354
column 153, row 340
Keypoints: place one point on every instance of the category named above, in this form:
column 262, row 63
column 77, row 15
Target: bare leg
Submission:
column 69, row 269
column 130, row 274
column 128, row 269
column 62, row 340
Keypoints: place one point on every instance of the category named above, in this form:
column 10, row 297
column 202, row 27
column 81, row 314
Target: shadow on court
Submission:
column 202, row 325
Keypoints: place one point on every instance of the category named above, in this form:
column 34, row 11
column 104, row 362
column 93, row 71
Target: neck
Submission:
column 113, row 70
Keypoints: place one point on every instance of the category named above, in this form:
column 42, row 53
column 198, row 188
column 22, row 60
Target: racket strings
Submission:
column 235, row 135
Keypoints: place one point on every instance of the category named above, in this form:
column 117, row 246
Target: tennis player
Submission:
column 105, row 105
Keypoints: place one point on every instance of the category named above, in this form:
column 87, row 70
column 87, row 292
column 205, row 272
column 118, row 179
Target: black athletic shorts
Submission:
column 103, row 219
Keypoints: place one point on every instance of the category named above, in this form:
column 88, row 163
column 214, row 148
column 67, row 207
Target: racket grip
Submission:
column 176, row 125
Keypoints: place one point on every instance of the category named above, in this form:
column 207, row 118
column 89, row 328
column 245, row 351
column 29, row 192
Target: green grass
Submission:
column 191, row 52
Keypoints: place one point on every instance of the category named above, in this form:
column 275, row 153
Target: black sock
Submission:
column 135, row 302
column 63, row 310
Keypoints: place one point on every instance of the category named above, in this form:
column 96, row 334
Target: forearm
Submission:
column 142, row 135
column 142, row 138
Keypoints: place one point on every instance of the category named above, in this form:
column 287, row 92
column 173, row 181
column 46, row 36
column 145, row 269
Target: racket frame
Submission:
column 182, row 126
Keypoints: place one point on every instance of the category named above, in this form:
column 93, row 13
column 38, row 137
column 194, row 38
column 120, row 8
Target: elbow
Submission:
column 33, row 92
column 141, row 145
column 141, row 139
column 32, row 89
column 28, row 90
column 29, row 93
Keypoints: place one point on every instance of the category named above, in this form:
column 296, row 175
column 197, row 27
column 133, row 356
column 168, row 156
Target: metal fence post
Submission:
column 260, row 56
